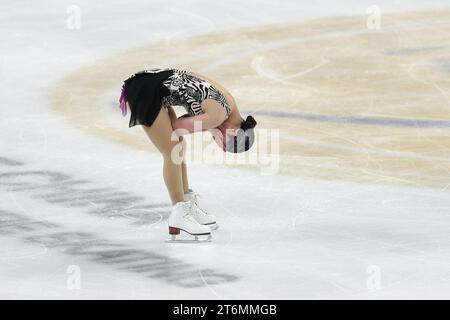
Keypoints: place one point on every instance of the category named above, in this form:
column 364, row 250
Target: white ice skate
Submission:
column 181, row 219
column 200, row 215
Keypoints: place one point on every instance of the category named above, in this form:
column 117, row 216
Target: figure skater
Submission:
column 150, row 95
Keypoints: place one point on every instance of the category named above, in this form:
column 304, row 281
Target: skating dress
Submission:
column 149, row 90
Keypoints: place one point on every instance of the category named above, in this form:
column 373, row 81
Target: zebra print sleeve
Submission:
column 189, row 91
column 219, row 97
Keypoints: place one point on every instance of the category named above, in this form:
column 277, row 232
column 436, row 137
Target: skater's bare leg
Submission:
column 200, row 215
column 185, row 177
column 160, row 134
column 173, row 116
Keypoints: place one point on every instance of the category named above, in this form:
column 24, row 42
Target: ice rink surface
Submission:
column 72, row 203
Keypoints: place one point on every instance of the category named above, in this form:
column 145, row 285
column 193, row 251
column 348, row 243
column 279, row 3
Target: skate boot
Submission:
column 181, row 219
column 200, row 215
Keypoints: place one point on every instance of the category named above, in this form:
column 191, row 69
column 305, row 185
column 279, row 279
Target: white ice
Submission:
column 280, row 237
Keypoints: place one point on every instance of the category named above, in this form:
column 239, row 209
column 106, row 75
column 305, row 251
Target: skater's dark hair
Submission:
column 245, row 137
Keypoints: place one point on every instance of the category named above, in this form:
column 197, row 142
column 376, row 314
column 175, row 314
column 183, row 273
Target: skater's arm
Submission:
column 214, row 114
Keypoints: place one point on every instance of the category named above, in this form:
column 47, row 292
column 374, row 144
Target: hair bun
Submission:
column 249, row 123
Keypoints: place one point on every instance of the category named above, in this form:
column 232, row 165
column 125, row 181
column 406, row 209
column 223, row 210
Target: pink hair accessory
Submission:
column 123, row 102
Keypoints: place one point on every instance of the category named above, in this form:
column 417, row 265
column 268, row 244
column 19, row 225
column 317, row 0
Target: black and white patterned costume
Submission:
column 189, row 91
column 149, row 90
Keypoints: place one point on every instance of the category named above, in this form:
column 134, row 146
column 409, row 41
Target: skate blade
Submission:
column 213, row 226
column 196, row 239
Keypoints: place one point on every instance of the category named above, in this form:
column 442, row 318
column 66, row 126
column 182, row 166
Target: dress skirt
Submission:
column 144, row 91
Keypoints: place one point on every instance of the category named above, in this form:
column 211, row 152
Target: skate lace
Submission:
column 196, row 197
column 196, row 202
column 188, row 209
